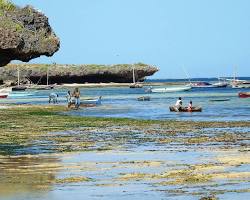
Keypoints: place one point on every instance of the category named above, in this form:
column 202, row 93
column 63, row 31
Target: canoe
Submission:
column 171, row 89
column 185, row 109
column 244, row 94
column 144, row 98
column 88, row 102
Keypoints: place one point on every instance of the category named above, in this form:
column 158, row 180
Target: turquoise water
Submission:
column 122, row 102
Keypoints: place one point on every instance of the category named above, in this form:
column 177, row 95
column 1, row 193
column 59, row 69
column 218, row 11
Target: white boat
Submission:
column 4, row 92
column 243, row 84
column 88, row 101
column 171, row 89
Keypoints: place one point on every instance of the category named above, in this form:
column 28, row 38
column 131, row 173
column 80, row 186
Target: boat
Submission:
column 88, row 102
column 241, row 84
column 144, row 98
column 219, row 100
column 185, row 109
column 4, row 92
column 244, row 94
column 135, row 84
column 201, row 85
column 19, row 87
column 43, row 87
column 171, row 89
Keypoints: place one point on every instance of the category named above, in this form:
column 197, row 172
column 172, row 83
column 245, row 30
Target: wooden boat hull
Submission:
column 244, row 94
column 185, row 109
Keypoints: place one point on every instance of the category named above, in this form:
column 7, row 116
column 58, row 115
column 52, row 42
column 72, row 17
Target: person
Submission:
column 53, row 97
column 178, row 104
column 69, row 100
column 190, row 106
column 77, row 95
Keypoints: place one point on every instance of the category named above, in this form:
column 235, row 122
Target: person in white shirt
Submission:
column 178, row 103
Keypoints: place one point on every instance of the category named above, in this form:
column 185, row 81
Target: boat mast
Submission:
column 18, row 76
column 133, row 74
column 47, row 76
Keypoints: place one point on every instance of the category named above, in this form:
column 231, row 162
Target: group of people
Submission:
column 72, row 98
column 179, row 107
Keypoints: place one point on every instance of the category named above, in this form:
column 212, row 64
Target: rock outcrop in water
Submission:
column 25, row 34
column 77, row 73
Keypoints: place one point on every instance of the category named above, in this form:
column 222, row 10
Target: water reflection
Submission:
column 27, row 174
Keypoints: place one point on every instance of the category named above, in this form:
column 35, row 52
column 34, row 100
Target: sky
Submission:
column 184, row 38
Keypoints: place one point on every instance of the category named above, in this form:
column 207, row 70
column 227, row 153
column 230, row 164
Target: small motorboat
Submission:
column 88, row 102
column 144, row 98
column 171, row 89
column 185, row 109
column 244, row 94
column 202, row 85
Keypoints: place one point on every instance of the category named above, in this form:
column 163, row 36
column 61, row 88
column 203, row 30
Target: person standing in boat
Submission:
column 77, row 95
column 178, row 104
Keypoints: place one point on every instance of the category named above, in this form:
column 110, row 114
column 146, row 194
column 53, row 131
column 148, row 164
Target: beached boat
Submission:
column 19, row 87
column 88, row 102
column 171, row 89
column 4, row 92
column 185, row 109
column 144, row 98
column 244, row 94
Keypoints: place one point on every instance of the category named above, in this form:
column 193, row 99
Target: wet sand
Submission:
column 46, row 155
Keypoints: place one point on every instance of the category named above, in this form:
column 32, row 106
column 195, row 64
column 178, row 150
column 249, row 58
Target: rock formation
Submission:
column 24, row 34
column 77, row 73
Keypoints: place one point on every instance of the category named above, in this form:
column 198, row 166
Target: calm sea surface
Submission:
column 122, row 102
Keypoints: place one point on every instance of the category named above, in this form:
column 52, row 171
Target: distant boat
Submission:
column 18, row 87
column 214, row 100
column 201, row 85
column 222, row 83
column 135, row 84
column 4, row 92
column 244, row 94
column 185, row 109
column 241, row 84
column 43, row 87
column 171, row 89
column 144, row 98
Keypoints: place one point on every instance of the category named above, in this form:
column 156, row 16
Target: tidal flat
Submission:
column 45, row 154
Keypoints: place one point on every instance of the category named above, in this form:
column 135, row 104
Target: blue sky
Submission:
column 208, row 38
